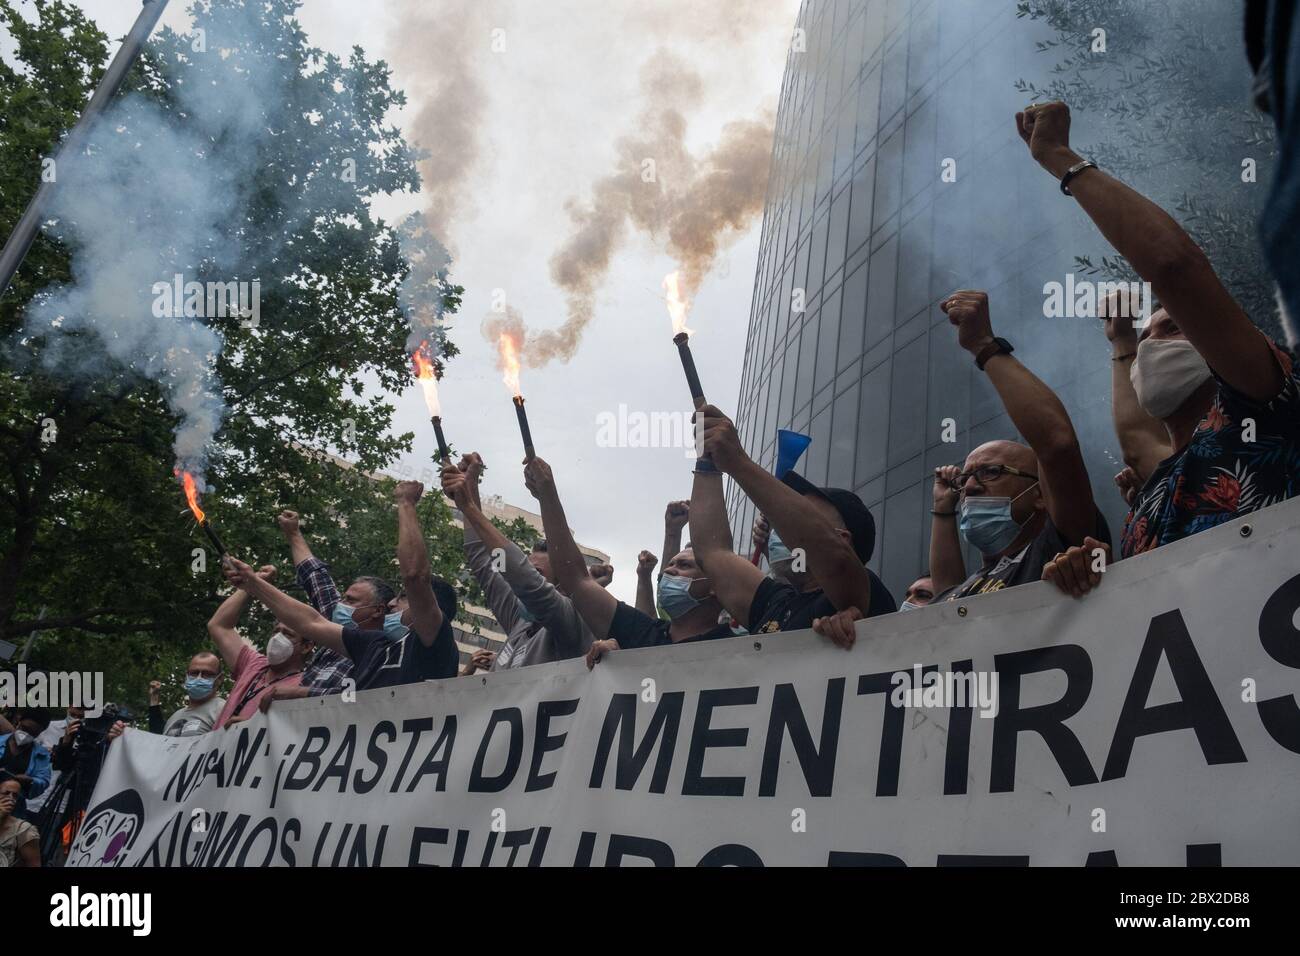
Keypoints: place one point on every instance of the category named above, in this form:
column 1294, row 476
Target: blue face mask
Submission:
column 675, row 595
column 342, row 614
column 986, row 522
column 393, row 626
column 524, row 613
column 199, row 687
column 776, row 549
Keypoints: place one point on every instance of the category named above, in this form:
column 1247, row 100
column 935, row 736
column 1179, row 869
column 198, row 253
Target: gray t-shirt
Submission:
column 192, row 721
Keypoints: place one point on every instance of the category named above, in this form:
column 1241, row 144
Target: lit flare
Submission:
column 678, row 304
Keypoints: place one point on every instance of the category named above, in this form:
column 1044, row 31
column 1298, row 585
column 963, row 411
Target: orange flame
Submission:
column 192, row 496
column 678, row 305
column 428, row 378
column 509, row 362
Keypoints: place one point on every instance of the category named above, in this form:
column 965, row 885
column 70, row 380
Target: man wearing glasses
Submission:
column 1019, row 505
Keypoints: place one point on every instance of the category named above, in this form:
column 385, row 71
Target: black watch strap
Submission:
column 1073, row 171
column 996, row 347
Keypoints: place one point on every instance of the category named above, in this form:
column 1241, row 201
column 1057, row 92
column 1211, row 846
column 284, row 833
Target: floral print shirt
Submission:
column 1221, row 474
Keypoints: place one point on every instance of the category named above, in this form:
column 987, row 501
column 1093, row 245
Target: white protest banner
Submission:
column 1152, row 722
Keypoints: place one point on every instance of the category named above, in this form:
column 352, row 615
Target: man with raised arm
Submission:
column 255, row 674
column 819, row 542
column 1228, row 398
column 424, row 652
column 540, row 622
column 645, row 583
column 1019, row 505
column 684, row 593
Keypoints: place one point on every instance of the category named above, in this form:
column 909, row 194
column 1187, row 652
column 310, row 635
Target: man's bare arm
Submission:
column 676, row 515
column 1162, row 253
column 1037, row 414
column 303, row 618
column 645, row 588
column 413, row 561
column 734, row 580
column 224, row 624
column 947, row 567
column 831, row 559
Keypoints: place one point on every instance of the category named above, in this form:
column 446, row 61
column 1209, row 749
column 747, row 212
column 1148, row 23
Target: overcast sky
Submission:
column 554, row 103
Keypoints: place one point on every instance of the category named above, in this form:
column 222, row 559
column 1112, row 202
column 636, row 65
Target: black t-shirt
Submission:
column 380, row 661
column 778, row 606
column 631, row 628
column 1021, row 568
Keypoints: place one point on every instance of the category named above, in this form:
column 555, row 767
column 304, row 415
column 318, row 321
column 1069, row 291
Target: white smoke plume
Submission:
column 146, row 201
column 693, row 205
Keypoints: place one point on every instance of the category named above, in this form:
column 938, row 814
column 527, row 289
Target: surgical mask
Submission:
column 342, row 614
column 776, row 549
column 278, row 649
column 986, row 522
column 199, row 687
column 22, row 738
column 524, row 613
column 909, row 606
column 675, row 595
column 393, row 626
column 1165, row 374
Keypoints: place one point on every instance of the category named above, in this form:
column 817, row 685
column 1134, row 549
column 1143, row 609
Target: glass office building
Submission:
column 898, row 177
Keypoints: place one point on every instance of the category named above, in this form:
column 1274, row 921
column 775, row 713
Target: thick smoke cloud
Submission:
column 438, row 51
column 145, row 201
column 692, row 205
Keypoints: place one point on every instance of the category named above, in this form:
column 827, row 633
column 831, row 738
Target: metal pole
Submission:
column 20, row 240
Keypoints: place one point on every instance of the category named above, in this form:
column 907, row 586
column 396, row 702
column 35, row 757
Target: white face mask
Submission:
column 1165, row 373
column 278, row 649
column 22, row 738
column 909, row 606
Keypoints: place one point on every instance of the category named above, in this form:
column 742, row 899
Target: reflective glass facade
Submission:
column 884, row 98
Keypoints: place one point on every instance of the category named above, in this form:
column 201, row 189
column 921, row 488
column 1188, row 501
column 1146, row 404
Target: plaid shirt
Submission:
column 328, row 669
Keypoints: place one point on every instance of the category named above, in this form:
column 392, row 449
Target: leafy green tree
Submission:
column 1171, row 91
column 97, row 553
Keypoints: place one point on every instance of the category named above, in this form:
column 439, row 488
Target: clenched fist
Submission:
column 1045, row 128
column 288, row 522
column 968, row 309
column 645, row 563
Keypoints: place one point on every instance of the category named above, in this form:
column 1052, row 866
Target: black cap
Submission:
column 856, row 516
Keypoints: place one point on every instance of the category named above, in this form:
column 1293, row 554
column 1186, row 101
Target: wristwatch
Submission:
column 996, row 347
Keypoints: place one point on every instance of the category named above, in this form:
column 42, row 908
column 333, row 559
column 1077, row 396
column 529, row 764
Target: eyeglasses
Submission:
column 986, row 473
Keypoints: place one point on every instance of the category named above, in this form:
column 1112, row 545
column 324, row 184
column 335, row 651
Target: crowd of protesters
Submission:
column 1206, row 411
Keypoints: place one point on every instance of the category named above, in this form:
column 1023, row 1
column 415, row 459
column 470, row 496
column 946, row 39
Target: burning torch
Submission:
column 192, row 496
column 677, row 309
column 426, row 372
column 510, row 368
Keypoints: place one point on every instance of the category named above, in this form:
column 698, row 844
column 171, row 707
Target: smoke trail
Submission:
column 421, row 294
column 694, row 205
column 438, row 51
column 148, row 200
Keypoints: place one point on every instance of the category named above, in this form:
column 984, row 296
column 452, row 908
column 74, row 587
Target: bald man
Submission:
column 1019, row 505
